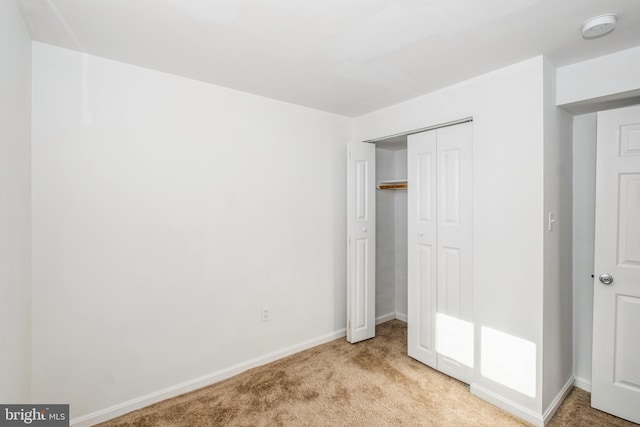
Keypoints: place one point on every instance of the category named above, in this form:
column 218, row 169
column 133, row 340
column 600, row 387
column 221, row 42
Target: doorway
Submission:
column 391, row 229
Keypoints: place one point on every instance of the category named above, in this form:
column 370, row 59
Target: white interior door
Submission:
column 422, row 242
column 361, row 223
column 454, row 322
column 616, row 308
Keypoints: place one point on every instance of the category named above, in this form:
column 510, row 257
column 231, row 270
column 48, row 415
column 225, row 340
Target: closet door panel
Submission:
column 454, row 253
column 450, row 294
column 422, row 242
column 361, row 273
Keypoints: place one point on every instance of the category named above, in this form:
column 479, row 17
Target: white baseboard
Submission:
column 391, row 316
column 385, row 318
column 583, row 384
column 196, row 383
column 513, row 408
column 553, row 407
column 538, row 420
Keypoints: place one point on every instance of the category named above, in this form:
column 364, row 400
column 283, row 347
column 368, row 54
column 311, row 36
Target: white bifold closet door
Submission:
column 361, row 245
column 440, row 215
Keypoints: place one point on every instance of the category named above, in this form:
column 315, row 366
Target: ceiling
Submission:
column 344, row 56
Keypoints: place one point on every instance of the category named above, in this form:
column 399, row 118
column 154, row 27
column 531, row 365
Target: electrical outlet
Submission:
column 266, row 314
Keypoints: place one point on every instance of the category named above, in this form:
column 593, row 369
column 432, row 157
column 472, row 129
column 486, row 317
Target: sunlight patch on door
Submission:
column 454, row 339
column 508, row 360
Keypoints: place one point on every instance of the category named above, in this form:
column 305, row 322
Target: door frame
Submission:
column 355, row 332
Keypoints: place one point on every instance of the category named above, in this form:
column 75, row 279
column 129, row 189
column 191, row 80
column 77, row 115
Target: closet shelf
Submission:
column 396, row 184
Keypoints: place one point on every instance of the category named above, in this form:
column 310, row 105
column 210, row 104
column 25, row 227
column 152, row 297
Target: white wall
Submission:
column 15, row 206
column 584, row 205
column 391, row 236
column 166, row 213
column 507, row 107
column 400, row 225
column 385, row 236
column 605, row 82
column 557, row 317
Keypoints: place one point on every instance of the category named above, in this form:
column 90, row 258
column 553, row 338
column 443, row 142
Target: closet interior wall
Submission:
column 391, row 234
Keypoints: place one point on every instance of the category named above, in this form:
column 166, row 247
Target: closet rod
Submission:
column 411, row 132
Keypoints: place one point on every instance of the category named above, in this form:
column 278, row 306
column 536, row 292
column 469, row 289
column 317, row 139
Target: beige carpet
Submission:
column 373, row 383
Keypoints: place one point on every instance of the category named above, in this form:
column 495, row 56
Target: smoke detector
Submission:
column 599, row 25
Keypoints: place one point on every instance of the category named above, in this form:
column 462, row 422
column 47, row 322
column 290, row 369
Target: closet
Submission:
column 391, row 229
column 413, row 248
